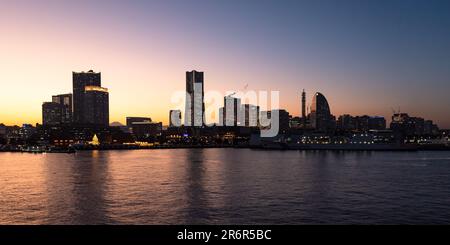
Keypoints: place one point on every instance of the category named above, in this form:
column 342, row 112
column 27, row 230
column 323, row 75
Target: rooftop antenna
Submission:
column 231, row 94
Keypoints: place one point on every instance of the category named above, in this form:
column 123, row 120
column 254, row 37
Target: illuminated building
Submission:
column 144, row 130
column 67, row 106
column 52, row 113
column 90, row 100
column 95, row 141
column 96, row 102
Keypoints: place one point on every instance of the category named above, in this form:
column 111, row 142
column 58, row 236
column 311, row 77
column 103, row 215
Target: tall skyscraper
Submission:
column 321, row 118
column 96, row 101
column 80, row 81
column 232, row 111
column 67, row 106
column 304, row 108
column 195, row 106
column 250, row 114
column 90, row 100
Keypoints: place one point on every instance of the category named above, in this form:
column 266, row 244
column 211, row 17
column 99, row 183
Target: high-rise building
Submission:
column 232, row 108
column 304, row 108
column 221, row 113
column 80, row 81
column 250, row 115
column 96, row 102
column 67, row 106
column 174, row 118
column 195, row 106
column 320, row 116
column 52, row 113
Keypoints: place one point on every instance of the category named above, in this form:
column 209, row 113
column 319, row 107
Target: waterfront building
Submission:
column 231, row 111
column 145, row 130
column 320, row 116
column 96, row 101
column 221, row 117
column 304, row 119
column 65, row 100
column 131, row 120
column 295, row 122
column 80, row 81
column 360, row 123
column 195, row 106
column 52, row 113
column 250, row 115
column 268, row 118
column 174, row 118
column 346, row 123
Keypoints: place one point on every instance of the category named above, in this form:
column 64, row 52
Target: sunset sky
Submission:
column 366, row 57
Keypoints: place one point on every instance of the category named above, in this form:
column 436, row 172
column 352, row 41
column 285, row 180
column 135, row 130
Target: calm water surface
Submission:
column 225, row 186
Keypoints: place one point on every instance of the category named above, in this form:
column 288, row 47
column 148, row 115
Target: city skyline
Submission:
column 144, row 57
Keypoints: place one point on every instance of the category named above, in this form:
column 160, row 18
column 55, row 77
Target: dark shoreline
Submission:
column 261, row 148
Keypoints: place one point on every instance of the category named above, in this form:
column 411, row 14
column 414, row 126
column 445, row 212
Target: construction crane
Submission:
column 394, row 111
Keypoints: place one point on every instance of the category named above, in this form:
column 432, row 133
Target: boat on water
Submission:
column 42, row 149
column 33, row 149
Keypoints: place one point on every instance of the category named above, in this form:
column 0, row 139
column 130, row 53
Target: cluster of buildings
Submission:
column 81, row 118
column 87, row 105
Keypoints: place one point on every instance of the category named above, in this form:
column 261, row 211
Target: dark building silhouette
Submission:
column 131, row 120
column 361, row 123
column 304, row 108
column 295, row 122
column 377, row 123
column 52, row 113
column 195, row 106
column 67, row 106
column 59, row 111
column 80, row 81
column 404, row 126
column 346, row 123
column 320, row 116
column 96, row 106
column 144, row 130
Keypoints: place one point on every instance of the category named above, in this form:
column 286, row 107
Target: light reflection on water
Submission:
column 225, row 186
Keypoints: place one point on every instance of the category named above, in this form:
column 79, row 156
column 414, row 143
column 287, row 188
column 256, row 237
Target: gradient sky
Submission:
column 366, row 57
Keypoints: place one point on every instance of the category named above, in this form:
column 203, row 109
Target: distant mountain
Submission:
column 116, row 124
